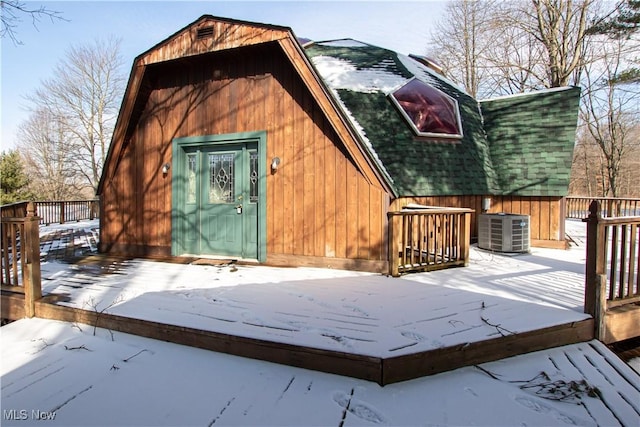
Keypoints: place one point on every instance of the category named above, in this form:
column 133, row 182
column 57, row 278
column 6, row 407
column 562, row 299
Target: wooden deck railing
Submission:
column 578, row 207
column 612, row 282
column 428, row 238
column 14, row 210
column 62, row 211
column 21, row 257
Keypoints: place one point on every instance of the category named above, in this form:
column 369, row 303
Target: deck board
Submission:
column 65, row 368
column 494, row 306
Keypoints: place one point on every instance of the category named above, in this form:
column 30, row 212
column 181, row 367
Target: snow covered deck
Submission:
column 353, row 312
column 88, row 376
column 65, row 375
column 352, row 323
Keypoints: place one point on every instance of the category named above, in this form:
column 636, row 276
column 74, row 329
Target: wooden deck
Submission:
column 384, row 367
column 74, row 374
column 378, row 369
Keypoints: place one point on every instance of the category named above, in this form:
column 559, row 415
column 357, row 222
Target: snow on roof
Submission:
column 425, row 74
column 361, row 132
column 342, row 74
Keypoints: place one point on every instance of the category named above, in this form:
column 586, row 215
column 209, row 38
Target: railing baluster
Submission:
column 427, row 239
column 577, row 207
column 419, row 245
column 614, row 262
column 64, row 211
column 21, row 257
column 623, row 262
column 612, row 246
column 634, row 261
column 14, row 253
column 403, row 247
column 5, row 277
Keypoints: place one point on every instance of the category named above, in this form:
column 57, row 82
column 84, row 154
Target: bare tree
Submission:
column 515, row 58
column 610, row 113
column 45, row 150
column 461, row 40
column 561, row 27
column 83, row 95
column 12, row 12
column 496, row 47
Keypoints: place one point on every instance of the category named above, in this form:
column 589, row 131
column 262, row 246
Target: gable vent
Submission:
column 204, row 32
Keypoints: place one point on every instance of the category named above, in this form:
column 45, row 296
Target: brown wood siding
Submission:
column 226, row 34
column 545, row 212
column 319, row 203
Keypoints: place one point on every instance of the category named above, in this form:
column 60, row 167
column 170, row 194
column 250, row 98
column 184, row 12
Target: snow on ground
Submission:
column 76, row 378
column 357, row 312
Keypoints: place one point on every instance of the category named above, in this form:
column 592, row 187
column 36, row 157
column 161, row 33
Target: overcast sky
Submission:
column 401, row 26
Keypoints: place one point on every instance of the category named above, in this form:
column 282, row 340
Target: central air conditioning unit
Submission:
column 503, row 232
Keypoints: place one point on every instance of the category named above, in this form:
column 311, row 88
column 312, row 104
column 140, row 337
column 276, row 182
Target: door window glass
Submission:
column 253, row 176
column 221, row 174
column 191, row 177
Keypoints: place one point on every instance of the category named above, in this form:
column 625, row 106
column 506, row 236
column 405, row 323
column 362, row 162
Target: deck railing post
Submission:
column 31, row 279
column 92, row 209
column 596, row 257
column 393, row 248
column 465, row 238
column 62, row 218
column 601, row 307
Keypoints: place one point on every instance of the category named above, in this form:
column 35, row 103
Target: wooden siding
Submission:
column 319, row 202
column 546, row 213
column 224, row 34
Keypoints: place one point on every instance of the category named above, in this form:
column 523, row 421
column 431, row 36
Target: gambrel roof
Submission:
column 228, row 34
column 514, row 145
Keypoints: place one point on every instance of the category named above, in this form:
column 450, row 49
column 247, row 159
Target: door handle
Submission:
column 239, row 209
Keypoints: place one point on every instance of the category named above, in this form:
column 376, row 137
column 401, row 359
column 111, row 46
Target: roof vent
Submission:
column 204, row 32
column 428, row 62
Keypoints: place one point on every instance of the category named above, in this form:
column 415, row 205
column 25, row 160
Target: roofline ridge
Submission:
column 531, row 93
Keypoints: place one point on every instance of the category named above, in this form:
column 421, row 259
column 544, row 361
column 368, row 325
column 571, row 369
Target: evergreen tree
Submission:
column 13, row 180
column 623, row 22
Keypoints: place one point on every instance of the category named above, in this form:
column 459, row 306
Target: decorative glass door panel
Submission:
column 250, row 209
column 221, row 177
column 253, row 176
column 221, row 200
column 191, row 241
column 192, row 159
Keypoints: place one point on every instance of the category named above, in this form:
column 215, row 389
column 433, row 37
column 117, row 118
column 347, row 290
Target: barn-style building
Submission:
column 238, row 140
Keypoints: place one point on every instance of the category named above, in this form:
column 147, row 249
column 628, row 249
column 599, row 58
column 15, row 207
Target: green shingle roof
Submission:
column 531, row 139
column 361, row 76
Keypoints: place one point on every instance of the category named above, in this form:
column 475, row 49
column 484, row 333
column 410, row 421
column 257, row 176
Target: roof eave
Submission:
column 382, row 176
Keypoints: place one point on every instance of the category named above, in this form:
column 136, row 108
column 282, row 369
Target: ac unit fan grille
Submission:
column 504, row 232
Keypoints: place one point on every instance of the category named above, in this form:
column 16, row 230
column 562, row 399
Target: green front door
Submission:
column 219, row 211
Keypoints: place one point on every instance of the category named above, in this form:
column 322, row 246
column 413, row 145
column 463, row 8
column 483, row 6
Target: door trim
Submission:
column 178, row 173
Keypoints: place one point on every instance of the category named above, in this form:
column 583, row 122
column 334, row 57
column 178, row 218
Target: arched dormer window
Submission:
column 429, row 111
